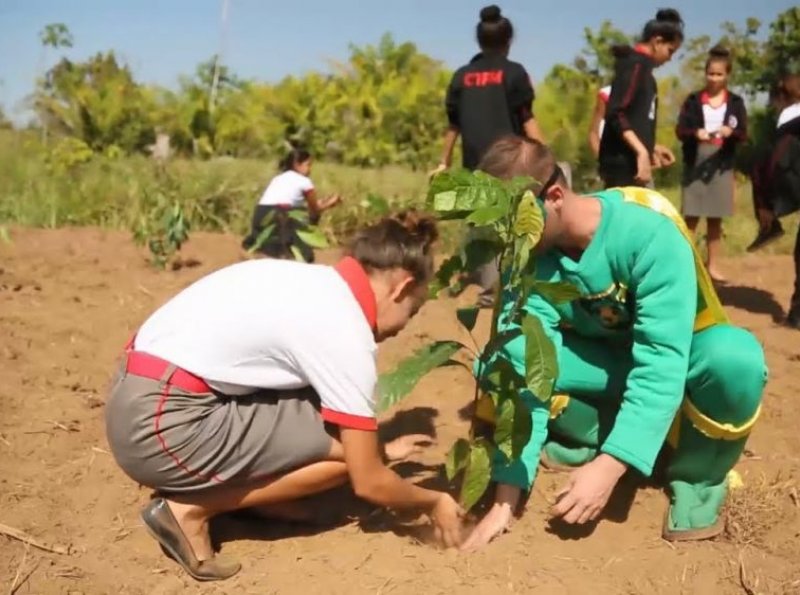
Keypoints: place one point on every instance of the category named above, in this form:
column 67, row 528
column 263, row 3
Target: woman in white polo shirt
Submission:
column 291, row 189
column 254, row 387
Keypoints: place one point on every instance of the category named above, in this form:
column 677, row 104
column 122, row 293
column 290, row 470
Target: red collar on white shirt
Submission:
column 705, row 99
column 357, row 280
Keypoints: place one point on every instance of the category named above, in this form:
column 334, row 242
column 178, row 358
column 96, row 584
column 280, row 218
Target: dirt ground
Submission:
column 70, row 298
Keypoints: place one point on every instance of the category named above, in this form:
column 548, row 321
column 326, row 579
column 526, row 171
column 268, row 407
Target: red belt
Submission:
column 150, row 366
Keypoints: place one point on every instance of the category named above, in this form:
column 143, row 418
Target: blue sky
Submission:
column 267, row 39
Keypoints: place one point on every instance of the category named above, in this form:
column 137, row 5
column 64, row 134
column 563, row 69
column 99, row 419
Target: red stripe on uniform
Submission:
column 348, row 420
column 162, row 441
column 357, row 280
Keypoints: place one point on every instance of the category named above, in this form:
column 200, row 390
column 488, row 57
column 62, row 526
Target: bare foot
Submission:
column 194, row 524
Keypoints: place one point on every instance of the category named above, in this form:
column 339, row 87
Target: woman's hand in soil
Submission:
column 406, row 446
column 497, row 520
column 446, row 516
column 588, row 490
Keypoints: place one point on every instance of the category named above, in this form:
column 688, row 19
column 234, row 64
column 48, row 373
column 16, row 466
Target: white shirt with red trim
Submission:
column 276, row 324
column 289, row 188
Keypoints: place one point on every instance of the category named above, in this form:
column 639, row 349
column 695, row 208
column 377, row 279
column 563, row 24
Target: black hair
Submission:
column 667, row 25
column 293, row 158
column 494, row 31
column 720, row 54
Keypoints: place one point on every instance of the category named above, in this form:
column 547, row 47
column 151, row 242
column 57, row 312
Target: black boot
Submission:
column 766, row 236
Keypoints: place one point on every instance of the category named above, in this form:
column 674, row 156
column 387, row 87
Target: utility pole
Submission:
column 218, row 60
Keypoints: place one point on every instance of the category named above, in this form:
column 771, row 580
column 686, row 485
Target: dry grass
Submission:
column 757, row 507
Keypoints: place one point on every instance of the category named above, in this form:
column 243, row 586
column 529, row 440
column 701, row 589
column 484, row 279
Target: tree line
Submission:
column 383, row 105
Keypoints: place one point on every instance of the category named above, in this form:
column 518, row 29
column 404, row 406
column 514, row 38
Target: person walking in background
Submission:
column 628, row 149
column 598, row 122
column 711, row 125
column 776, row 177
column 291, row 189
column 487, row 98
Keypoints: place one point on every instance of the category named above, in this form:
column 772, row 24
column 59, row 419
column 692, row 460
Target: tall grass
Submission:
column 36, row 190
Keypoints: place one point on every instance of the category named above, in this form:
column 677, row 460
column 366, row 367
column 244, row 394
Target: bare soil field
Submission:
column 70, row 298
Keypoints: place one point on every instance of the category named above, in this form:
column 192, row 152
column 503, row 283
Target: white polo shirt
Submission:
column 289, row 188
column 788, row 114
column 276, row 324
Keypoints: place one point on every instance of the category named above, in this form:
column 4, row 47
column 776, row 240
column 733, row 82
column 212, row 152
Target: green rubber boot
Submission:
column 576, row 431
column 726, row 380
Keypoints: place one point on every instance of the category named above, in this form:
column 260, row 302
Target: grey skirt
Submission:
column 707, row 189
column 181, row 442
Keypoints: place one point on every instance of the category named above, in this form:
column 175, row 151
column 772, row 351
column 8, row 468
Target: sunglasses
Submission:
column 557, row 173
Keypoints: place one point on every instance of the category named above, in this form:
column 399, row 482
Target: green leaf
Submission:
column 478, row 473
column 465, row 191
column 457, row 458
column 528, row 220
column 395, row 385
column 263, row 236
column 558, row 292
column 468, row 316
column 523, row 427
column 504, row 427
column 495, row 344
column 445, row 201
column 313, row 237
column 299, row 215
column 298, row 256
column 522, row 254
column 541, row 367
column 487, row 215
column 520, row 184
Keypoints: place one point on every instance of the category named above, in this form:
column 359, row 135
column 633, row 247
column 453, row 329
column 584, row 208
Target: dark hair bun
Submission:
column 419, row 226
column 491, row 14
column 669, row 15
column 719, row 51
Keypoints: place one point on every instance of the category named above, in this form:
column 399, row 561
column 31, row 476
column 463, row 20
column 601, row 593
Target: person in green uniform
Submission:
column 646, row 356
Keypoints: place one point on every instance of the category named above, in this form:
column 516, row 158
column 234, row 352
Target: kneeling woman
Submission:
column 290, row 190
column 254, row 387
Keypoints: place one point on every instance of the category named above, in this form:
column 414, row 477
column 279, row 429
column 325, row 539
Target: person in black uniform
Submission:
column 776, row 177
column 628, row 150
column 488, row 98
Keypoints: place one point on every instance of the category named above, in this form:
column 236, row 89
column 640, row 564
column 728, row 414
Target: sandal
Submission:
column 691, row 534
column 551, row 466
column 161, row 524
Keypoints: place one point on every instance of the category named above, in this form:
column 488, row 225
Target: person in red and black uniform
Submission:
column 488, row 98
column 628, row 150
column 711, row 125
column 776, row 177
